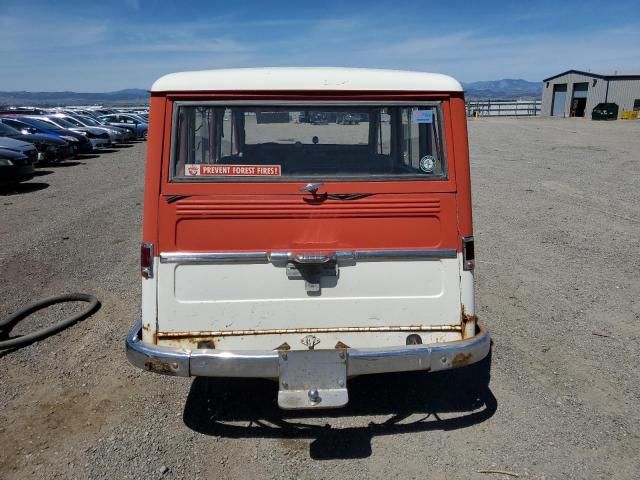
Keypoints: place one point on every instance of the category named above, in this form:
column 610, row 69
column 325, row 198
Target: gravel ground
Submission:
column 557, row 218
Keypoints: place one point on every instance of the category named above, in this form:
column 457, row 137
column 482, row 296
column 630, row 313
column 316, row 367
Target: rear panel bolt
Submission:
column 314, row 395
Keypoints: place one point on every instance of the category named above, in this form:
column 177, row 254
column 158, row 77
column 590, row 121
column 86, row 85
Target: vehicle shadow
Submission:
column 86, row 156
column 20, row 188
column 42, row 173
column 413, row 402
column 67, row 163
column 108, row 150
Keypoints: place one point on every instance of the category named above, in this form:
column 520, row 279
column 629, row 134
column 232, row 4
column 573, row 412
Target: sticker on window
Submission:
column 427, row 164
column 423, row 116
column 204, row 170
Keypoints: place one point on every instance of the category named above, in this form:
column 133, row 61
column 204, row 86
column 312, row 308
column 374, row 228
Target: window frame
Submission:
column 436, row 104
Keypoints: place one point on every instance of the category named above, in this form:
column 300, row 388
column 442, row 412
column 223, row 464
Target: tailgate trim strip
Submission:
column 275, row 257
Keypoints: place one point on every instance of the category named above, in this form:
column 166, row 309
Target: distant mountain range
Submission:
column 503, row 89
column 494, row 89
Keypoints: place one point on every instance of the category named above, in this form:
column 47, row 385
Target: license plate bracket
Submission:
column 312, row 379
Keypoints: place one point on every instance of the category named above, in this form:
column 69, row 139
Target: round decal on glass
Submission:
column 427, row 164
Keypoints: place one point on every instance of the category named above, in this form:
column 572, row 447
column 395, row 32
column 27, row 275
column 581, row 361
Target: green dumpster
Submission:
column 605, row 111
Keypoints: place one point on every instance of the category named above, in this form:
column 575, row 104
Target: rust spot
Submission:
column 341, row 345
column 461, row 359
column 295, row 331
column 284, row 346
column 189, row 343
column 147, row 328
column 158, row 366
column 467, row 319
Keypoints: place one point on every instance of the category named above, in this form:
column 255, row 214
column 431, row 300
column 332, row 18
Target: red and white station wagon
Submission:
column 307, row 225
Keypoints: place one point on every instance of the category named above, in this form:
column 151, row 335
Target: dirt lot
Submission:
column 557, row 216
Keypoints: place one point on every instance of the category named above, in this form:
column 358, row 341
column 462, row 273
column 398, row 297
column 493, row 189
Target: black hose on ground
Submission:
column 7, row 324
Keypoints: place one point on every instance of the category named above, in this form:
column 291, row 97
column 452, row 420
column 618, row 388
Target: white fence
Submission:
column 503, row 108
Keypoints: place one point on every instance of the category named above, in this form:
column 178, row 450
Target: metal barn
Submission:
column 574, row 93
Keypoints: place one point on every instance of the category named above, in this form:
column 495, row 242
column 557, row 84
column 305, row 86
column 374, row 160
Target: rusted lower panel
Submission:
column 468, row 323
column 147, row 328
column 289, row 331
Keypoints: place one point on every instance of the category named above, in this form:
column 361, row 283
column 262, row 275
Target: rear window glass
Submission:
column 226, row 143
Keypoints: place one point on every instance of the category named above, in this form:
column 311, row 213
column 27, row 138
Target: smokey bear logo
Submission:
column 193, row 170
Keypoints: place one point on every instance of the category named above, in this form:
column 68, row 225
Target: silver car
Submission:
column 97, row 137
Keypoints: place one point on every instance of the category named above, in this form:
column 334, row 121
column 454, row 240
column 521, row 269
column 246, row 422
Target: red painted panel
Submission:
column 155, row 136
column 273, row 216
column 266, row 223
column 305, row 234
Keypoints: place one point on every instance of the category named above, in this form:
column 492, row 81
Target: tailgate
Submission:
column 251, row 268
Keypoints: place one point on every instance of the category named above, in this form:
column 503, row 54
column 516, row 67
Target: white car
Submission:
column 118, row 135
column 115, row 135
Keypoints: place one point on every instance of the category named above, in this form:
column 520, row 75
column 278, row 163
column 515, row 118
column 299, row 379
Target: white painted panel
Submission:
column 203, row 297
column 309, row 78
column 223, row 283
column 149, row 304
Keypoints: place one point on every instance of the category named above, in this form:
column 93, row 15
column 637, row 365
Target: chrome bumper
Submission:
column 265, row 364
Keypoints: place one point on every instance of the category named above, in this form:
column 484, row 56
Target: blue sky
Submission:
column 94, row 46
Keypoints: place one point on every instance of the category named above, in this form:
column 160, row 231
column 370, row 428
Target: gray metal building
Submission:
column 574, row 93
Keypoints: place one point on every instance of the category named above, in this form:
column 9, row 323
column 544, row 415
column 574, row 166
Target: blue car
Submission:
column 78, row 142
column 129, row 121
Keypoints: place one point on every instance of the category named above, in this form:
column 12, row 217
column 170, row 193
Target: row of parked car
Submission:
column 31, row 136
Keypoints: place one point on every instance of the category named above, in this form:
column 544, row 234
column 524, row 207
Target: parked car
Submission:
column 136, row 124
column 126, row 133
column 25, row 148
column 96, row 137
column 78, row 111
column 348, row 119
column 79, row 143
column 368, row 269
column 115, row 136
column 105, row 111
column 318, row 118
column 15, row 167
column 50, row 148
column 118, row 134
column 605, row 111
column 23, row 111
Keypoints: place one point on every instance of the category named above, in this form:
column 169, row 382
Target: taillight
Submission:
column 146, row 260
column 468, row 254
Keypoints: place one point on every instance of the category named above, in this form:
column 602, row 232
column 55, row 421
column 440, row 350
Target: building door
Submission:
column 559, row 99
column 579, row 99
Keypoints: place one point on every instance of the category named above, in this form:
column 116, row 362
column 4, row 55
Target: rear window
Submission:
column 226, row 143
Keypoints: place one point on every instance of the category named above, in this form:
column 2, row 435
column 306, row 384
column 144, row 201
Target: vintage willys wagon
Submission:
column 281, row 241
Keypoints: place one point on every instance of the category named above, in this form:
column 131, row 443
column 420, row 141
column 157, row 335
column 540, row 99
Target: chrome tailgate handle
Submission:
column 312, row 258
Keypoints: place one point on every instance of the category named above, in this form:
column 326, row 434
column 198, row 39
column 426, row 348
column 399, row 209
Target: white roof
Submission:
column 307, row 78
